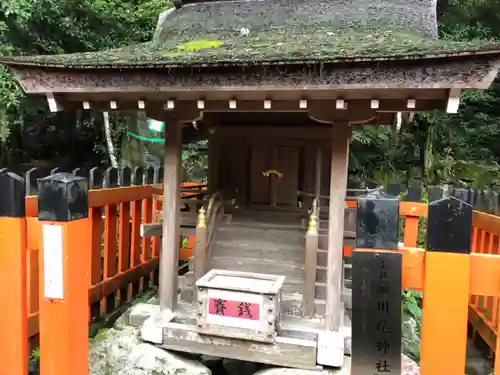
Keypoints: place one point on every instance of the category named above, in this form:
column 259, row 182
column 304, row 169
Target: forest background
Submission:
column 435, row 148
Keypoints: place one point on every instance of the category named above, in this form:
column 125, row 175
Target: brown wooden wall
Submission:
column 239, row 153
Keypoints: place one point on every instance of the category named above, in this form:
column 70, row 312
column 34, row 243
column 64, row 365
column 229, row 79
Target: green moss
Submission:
column 266, row 48
column 196, row 45
column 192, row 46
column 281, row 31
column 100, row 336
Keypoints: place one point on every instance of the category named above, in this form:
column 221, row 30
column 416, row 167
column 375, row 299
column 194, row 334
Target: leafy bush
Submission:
column 412, row 320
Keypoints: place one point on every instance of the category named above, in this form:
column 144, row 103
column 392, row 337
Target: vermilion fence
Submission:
column 483, row 310
column 121, row 263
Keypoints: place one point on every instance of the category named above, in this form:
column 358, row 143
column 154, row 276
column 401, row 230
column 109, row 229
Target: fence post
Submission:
column 66, row 246
column 311, row 263
column 446, row 287
column 13, row 293
column 410, row 237
column 376, row 287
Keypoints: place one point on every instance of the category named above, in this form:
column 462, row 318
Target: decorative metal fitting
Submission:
column 312, row 227
column 202, row 219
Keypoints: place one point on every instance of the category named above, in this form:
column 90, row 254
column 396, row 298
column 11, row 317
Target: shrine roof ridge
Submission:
column 273, row 32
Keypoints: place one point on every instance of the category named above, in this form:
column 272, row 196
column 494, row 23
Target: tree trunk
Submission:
column 109, row 140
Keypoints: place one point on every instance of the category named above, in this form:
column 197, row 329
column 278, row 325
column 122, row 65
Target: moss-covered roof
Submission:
column 280, row 31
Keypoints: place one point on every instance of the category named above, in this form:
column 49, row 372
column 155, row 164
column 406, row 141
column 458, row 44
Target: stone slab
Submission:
column 345, row 370
column 140, row 312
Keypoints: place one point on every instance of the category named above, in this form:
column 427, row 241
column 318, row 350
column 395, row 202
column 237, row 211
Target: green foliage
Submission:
column 412, row 317
column 36, row 353
column 436, row 147
column 66, row 26
column 195, row 162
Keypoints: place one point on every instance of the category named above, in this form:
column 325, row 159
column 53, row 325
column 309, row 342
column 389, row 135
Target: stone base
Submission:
column 301, row 343
column 121, row 351
column 345, row 370
column 331, row 349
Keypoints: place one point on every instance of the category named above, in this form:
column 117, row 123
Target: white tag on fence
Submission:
column 53, row 274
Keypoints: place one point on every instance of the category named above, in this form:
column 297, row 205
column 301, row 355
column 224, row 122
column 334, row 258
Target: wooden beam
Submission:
column 156, row 230
column 171, row 215
column 370, row 76
column 54, row 106
column 298, row 351
column 338, row 186
column 453, row 101
column 351, row 107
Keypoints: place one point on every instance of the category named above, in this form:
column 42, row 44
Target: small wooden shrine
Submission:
column 275, row 86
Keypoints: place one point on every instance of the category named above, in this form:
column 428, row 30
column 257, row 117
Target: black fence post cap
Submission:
column 449, row 226
column 489, row 203
column 461, row 194
column 13, row 190
column 62, row 197
column 414, row 193
column 393, row 190
column 435, row 193
column 377, row 221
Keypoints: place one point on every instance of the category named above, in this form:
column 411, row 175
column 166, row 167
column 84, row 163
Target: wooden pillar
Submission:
column 64, row 289
column 213, row 161
column 338, row 184
column 200, row 247
column 447, row 258
column 310, row 264
column 210, row 160
column 317, row 174
column 13, row 280
column 169, row 256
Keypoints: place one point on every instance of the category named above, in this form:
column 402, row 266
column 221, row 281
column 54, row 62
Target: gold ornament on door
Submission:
column 272, row 172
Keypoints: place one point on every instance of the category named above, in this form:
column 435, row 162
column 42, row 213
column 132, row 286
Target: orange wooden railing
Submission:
column 411, row 212
column 121, row 262
column 483, row 311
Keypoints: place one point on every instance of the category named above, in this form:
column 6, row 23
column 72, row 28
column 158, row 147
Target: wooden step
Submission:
column 319, row 308
column 260, row 250
column 262, row 265
column 320, row 292
column 291, row 304
column 254, row 233
column 267, row 225
column 264, row 242
column 322, row 259
column 349, row 240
